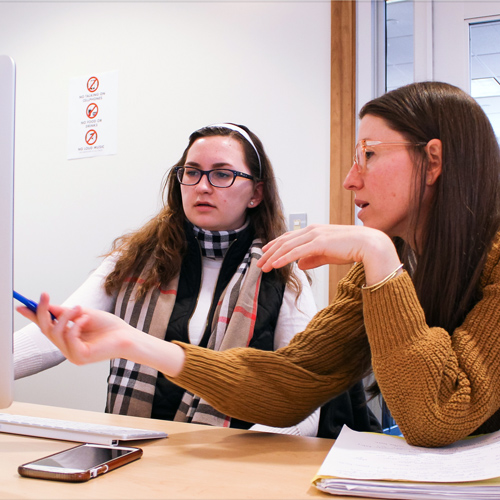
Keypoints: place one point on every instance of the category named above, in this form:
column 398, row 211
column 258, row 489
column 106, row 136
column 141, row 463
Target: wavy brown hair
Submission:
column 162, row 239
column 465, row 212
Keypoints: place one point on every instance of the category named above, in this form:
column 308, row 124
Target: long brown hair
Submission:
column 465, row 212
column 162, row 239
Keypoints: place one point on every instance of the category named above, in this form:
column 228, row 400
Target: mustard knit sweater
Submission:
column 438, row 387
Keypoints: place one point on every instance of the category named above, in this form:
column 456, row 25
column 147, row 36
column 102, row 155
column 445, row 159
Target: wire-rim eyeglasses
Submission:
column 360, row 150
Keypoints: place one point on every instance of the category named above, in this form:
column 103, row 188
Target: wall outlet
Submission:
column 297, row 221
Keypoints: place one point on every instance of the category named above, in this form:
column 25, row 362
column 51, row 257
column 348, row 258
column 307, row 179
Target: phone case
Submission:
column 27, row 469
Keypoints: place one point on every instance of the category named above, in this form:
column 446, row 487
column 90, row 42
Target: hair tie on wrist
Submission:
column 380, row 284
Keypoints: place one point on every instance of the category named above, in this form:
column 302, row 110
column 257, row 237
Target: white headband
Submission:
column 244, row 134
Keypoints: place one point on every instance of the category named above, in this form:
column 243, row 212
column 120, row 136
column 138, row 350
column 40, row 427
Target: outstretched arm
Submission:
column 278, row 388
column 88, row 336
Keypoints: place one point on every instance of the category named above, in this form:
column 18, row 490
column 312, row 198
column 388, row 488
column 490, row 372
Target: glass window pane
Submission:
column 399, row 43
column 485, row 69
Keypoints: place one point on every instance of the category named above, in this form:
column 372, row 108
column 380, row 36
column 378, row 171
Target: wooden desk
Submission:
column 194, row 462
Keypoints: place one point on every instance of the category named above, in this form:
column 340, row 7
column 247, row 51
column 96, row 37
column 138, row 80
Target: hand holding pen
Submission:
column 30, row 304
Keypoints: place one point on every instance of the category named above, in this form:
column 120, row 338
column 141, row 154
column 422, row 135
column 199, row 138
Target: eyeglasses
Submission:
column 218, row 177
column 362, row 151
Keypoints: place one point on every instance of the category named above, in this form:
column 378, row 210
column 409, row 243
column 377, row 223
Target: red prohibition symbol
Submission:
column 92, row 84
column 92, row 110
column 91, row 137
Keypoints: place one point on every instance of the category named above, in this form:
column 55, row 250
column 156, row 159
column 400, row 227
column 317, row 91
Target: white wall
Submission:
column 181, row 65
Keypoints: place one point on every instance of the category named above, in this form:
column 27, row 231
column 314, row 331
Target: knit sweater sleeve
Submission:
column 439, row 386
column 283, row 387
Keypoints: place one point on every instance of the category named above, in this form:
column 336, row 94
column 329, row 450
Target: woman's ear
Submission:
column 257, row 195
column 434, row 150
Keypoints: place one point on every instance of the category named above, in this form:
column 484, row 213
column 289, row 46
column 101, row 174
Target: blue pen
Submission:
column 30, row 304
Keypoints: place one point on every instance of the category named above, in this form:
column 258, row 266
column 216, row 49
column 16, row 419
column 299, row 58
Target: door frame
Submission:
column 342, row 119
column 357, row 52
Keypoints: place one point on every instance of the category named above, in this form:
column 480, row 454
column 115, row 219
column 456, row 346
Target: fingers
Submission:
column 286, row 254
column 72, row 335
column 65, row 332
column 273, row 251
column 43, row 318
column 317, row 245
column 312, row 262
column 290, row 235
column 41, row 311
column 24, row 311
column 65, row 322
column 56, row 331
column 288, row 248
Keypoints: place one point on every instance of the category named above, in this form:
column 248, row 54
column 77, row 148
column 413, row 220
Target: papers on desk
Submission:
column 383, row 466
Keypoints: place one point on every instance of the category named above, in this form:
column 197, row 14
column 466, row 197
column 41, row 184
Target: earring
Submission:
column 251, row 203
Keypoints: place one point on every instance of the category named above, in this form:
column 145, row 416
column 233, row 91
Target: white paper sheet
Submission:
column 361, row 455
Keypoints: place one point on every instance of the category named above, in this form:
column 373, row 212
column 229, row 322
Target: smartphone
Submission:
column 80, row 463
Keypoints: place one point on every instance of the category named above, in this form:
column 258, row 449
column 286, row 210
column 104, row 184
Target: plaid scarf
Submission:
column 131, row 387
column 215, row 243
column 233, row 326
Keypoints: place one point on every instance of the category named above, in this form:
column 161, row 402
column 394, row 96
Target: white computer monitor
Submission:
column 7, row 114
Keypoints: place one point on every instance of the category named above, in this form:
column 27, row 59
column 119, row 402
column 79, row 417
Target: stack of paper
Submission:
column 383, row 466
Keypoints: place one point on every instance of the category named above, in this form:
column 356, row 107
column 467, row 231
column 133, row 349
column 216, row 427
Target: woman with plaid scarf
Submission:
column 191, row 275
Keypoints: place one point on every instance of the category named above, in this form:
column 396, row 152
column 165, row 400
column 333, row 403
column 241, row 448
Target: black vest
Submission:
column 168, row 395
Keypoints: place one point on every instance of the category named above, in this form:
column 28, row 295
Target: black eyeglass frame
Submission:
column 178, row 172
